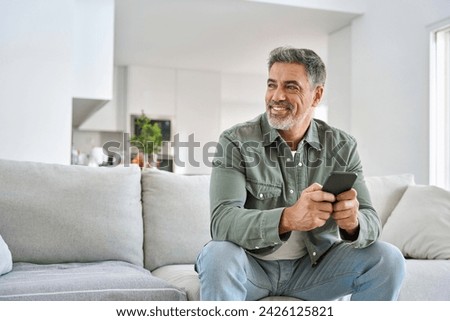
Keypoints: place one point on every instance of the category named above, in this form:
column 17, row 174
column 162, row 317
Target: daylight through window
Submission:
column 440, row 108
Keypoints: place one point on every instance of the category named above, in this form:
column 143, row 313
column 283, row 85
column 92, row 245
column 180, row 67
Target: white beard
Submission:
column 284, row 123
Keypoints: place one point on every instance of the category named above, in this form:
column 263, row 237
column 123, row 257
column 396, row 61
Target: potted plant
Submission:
column 148, row 140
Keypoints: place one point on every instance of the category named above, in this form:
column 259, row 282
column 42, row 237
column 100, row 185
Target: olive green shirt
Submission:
column 255, row 176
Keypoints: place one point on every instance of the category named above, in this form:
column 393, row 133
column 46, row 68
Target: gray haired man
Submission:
column 274, row 230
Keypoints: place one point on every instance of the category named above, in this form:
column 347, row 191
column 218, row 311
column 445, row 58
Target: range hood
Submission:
column 83, row 108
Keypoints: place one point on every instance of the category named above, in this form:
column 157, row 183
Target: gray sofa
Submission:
column 82, row 233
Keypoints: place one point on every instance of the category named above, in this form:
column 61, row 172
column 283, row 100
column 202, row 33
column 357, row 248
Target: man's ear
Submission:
column 318, row 92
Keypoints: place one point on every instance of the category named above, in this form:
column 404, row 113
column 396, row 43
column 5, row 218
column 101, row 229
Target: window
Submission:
column 440, row 107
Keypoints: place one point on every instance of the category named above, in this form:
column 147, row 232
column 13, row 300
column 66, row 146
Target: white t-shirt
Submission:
column 293, row 248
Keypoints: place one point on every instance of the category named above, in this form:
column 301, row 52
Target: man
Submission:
column 274, row 231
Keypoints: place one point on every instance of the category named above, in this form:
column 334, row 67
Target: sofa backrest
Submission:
column 57, row 213
column 177, row 213
column 176, row 217
column 60, row 213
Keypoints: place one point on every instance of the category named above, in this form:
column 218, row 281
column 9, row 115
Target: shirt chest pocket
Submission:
column 262, row 195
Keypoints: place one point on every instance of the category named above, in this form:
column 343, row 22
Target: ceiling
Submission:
column 230, row 36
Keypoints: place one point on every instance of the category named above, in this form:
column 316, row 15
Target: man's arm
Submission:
column 251, row 229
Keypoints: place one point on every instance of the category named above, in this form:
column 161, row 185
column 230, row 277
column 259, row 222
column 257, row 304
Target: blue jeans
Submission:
column 227, row 272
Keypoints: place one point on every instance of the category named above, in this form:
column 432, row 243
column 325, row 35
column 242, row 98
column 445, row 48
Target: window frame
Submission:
column 440, row 105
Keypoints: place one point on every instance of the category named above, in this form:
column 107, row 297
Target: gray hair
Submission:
column 315, row 67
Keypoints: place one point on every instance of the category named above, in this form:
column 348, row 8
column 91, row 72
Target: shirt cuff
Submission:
column 270, row 226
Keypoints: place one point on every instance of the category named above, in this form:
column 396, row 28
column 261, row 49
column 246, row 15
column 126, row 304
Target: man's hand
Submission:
column 345, row 211
column 311, row 210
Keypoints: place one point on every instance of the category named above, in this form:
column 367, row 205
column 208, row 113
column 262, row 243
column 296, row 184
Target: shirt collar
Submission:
column 312, row 135
column 270, row 134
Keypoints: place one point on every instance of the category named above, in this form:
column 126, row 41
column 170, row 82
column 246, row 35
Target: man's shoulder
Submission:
column 250, row 130
column 327, row 132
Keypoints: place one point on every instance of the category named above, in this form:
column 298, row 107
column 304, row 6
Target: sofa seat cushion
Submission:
column 426, row 280
column 183, row 276
column 110, row 280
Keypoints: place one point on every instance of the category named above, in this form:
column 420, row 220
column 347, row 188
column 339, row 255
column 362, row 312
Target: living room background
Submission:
column 378, row 85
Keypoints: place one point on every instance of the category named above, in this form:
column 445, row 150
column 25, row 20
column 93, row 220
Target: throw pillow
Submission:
column 386, row 192
column 420, row 224
column 5, row 257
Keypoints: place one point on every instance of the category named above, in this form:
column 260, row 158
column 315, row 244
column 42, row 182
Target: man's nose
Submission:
column 279, row 94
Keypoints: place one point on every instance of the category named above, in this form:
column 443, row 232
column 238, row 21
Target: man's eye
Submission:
column 271, row 86
column 292, row 88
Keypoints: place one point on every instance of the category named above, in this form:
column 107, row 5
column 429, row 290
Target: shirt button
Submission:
column 289, row 159
column 261, row 195
column 314, row 253
column 291, row 191
column 300, row 164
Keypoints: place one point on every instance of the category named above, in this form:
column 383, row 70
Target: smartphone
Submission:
column 339, row 182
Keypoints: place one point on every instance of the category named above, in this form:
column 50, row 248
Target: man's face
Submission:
column 289, row 97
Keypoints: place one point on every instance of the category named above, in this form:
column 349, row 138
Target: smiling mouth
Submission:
column 280, row 107
column 279, row 110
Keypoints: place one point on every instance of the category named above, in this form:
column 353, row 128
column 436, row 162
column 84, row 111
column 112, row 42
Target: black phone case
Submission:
column 339, row 182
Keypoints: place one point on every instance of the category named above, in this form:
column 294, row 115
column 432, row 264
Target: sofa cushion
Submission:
column 386, row 192
column 61, row 213
column 109, row 280
column 426, row 280
column 176, row 217
column 183, row 276
column 5, row 257
column 419, row 226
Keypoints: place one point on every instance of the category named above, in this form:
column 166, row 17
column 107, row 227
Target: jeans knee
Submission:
column 392, row 260
column 220, row 256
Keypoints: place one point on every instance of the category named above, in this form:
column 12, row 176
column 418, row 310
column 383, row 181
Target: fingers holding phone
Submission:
column 311, row 210
column 346, row 207
column 345, row 211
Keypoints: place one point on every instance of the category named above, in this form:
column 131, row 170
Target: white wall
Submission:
column 152, row 90
column 339, row 78
column 197, row 114
column 242, row 98
column 93, row 46
column 50, row 51
column 390, row 84
column 35, row 80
